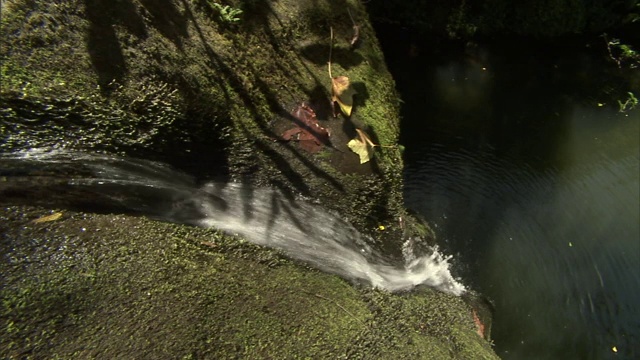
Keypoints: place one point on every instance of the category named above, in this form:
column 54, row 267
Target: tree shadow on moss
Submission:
column 275, row 106
column 189, row 147
column 320, row 18
column 168, row 20
column 248, row 87
column 102, row 42
column 319, row 55
column 257, row 19
column 362, row 94
column 280, row 154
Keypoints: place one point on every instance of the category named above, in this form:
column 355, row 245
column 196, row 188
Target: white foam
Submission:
column 265, row 216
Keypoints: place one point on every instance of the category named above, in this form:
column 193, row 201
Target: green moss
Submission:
column 105, row 285
column 169, row 83
column 168, row 89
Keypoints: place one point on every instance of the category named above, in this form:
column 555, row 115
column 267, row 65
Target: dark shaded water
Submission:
column 531, row 176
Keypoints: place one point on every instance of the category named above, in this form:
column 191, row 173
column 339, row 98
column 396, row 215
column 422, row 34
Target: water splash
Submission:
column 264, row 216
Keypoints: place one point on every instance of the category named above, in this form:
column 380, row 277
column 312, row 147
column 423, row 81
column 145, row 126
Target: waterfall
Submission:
column 265, row 216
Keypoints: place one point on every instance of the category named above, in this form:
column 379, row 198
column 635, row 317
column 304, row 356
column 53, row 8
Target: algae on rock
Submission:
column 167, row 81
column 115, row 286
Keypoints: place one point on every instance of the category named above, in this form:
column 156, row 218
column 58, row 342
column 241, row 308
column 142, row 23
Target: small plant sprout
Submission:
column 629, row 104
column 227, row 13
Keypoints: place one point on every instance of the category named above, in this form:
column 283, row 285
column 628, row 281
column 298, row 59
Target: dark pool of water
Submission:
column 519, row 157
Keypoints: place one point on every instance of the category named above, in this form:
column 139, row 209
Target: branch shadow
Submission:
column 237, row 84
column 172, row 20
column 168, row 20
column 362, row 94
column 319, row 55
column 102, row 43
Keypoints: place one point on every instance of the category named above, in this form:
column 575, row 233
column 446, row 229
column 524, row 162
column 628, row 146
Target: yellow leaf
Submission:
column 361, row 149
column 363, row 146
column 339, row 84
column 52, row 217
column 342, row 93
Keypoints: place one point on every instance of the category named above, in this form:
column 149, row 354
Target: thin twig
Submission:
column 330, row 50
column 606, row 41
column 351, row 17
column 340, row 306
column 356, row 32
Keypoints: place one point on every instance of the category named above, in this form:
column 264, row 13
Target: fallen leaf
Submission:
column 291, row 133
column 361, row 149
column 479, row 324
column 365, row 138
column 47, row 218
column 362, row 145
column 342, row 93
column 309, row 134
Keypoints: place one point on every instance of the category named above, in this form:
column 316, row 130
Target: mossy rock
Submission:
column 114, row 286
column 170, row 81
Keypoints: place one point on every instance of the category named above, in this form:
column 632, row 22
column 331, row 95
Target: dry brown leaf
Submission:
column 361, row 149
column 47, row 218
column 308, row 132
column 342, row 93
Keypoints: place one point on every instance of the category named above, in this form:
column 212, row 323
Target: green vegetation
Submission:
column 622, row 54
column 179, row 88
column 86, row 285
column 227, row 13
column 167, row 82
column 634, row 15
column 458, row 25
column 630, row 103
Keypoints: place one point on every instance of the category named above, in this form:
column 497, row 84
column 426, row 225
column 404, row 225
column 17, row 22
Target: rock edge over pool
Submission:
column 178, row 82
column 116, row 286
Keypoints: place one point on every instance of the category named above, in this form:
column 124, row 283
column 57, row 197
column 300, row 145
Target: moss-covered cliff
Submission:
column 105, row 286
column 176, row 81
column 172, row 81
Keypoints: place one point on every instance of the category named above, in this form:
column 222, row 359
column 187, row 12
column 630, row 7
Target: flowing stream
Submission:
column 270, row 217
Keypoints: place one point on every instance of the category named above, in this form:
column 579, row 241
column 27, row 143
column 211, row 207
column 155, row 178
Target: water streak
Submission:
column 264, row 216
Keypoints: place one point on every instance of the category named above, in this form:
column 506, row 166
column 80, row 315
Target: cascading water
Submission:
column 264, row 216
